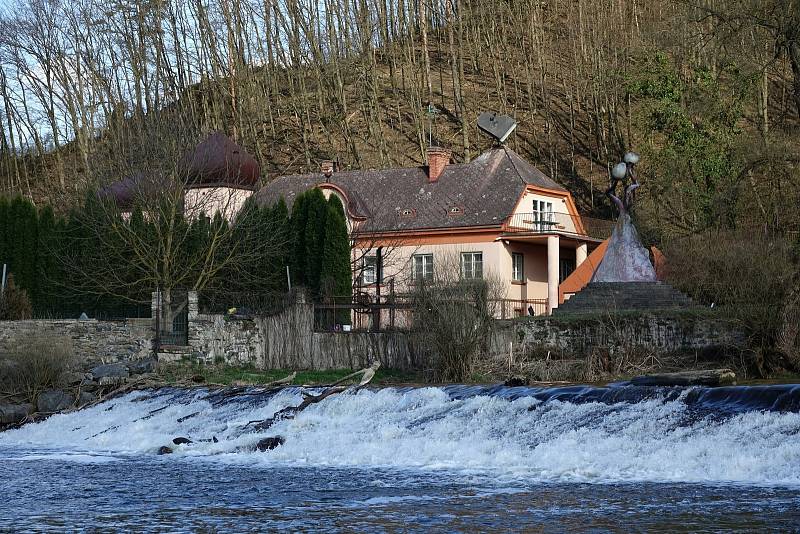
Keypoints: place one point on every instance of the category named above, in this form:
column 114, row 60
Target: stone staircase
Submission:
column 609, row 297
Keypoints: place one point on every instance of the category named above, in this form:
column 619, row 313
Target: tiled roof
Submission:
column 218, row 161
column 215, row 162
column 486, row 190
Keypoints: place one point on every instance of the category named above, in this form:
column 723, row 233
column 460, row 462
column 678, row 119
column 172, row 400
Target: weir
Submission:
column 579, row 433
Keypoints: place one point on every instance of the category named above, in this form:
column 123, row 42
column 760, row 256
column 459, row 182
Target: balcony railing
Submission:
column 551, row 222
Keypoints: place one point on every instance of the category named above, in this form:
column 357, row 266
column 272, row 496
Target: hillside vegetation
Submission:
column 708, row 91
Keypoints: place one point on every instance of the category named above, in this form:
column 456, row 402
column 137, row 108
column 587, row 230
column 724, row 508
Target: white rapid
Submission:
column 535, row 434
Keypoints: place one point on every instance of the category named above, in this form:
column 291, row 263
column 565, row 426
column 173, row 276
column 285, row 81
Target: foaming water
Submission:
column 745, row 435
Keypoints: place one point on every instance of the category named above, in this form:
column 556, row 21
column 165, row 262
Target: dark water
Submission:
column 148, row 494
column 616, row 459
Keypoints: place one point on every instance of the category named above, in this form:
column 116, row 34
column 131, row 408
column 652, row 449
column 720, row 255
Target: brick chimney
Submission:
column 327, row 168
column 438, row 158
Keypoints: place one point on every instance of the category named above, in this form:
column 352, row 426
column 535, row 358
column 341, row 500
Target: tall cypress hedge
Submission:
column 317, row 218
column 336, row 272
column 20, row 243
column 297, row 229
column 337, row 275
column 44, row 251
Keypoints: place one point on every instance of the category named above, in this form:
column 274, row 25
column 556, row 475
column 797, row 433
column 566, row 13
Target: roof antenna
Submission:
column 497, row 125
column 432, row 112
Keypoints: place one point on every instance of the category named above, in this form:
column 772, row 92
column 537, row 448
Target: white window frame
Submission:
column 542, row 214
column 517, row 268
column 472, row 265
column 423, row 271
column 369, row 271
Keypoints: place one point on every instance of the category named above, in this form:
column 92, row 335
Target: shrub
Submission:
column 36, row 363
column 749, row 276
column 14, row 304
column 453, row 319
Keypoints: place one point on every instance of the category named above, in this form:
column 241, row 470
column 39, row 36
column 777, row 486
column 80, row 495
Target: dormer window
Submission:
column 407, row 212
column 455, row 210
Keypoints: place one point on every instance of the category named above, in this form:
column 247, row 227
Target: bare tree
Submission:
column 142, row 234
column 454, row 316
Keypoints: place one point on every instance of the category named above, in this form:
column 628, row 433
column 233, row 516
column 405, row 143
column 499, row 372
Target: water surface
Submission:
column 570, row 459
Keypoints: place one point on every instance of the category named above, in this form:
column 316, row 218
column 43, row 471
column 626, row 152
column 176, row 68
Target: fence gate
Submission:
column 173, row 318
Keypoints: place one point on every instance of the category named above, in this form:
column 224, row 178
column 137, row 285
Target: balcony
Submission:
column 550, row 222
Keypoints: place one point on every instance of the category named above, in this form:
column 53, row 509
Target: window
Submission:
column 421, row 267
column 542, row 215
column 407, row 212
column 472, row 265
column 370, row 272
column 565, row 268
column 517, row 267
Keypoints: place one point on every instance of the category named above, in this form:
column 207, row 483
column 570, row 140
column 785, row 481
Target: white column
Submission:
column 552, row 272
column 580, row 254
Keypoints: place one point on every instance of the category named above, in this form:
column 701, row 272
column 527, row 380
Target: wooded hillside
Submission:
column 707, row 90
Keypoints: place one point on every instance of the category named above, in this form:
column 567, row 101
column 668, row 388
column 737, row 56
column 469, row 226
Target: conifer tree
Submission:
column 279, row 218
column 336, row 272
column 47, row 268
column 4, row 207
column 21, row 237
column 297, row 223
column 315, row 239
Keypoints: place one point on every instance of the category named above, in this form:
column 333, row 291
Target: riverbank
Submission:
column 226, row 375
column 78, row 390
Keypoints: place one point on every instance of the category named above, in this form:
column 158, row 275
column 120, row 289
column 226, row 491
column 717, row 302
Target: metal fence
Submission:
column 99, row 311
column 359, row 314
column 346, row 314
column 549, row 222
column 245, row 303
column 172, row 319
column 510, row 308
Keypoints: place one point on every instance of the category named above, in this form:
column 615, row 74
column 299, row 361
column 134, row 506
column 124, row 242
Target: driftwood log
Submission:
column 222, row 395
column 710, row 377
column 308, row 399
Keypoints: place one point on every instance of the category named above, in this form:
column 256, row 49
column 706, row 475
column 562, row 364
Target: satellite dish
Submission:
column 496, row 125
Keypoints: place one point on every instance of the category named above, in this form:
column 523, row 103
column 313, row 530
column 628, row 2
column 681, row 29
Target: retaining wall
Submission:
column 92, row 341
column 661, row 333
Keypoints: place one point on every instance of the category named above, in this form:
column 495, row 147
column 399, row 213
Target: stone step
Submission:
column 625, row 296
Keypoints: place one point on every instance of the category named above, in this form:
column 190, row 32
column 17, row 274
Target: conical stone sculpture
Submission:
column 626, row 259
column 625, row 278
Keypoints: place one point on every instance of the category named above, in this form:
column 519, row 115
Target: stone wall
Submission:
column 287, row 341
column 665, row 332
column 92, row 341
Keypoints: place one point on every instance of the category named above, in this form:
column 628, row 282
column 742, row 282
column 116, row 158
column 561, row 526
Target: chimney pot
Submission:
column 327, row 167
column 438, row 158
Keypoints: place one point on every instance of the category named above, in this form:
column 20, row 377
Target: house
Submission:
column 496, row 214
column 216, row 176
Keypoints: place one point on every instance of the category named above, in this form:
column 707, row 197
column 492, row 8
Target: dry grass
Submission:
column 550, row 364
column 34, row 364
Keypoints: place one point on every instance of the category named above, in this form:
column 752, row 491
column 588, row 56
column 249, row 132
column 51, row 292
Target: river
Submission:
column 458, row 458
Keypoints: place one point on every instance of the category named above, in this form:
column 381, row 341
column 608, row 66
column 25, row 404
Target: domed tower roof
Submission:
column 218, row 161
column 138, row 187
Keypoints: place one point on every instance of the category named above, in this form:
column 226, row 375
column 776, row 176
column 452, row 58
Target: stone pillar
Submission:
column 552, row 272
column 193, row 307
column 580, row 254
